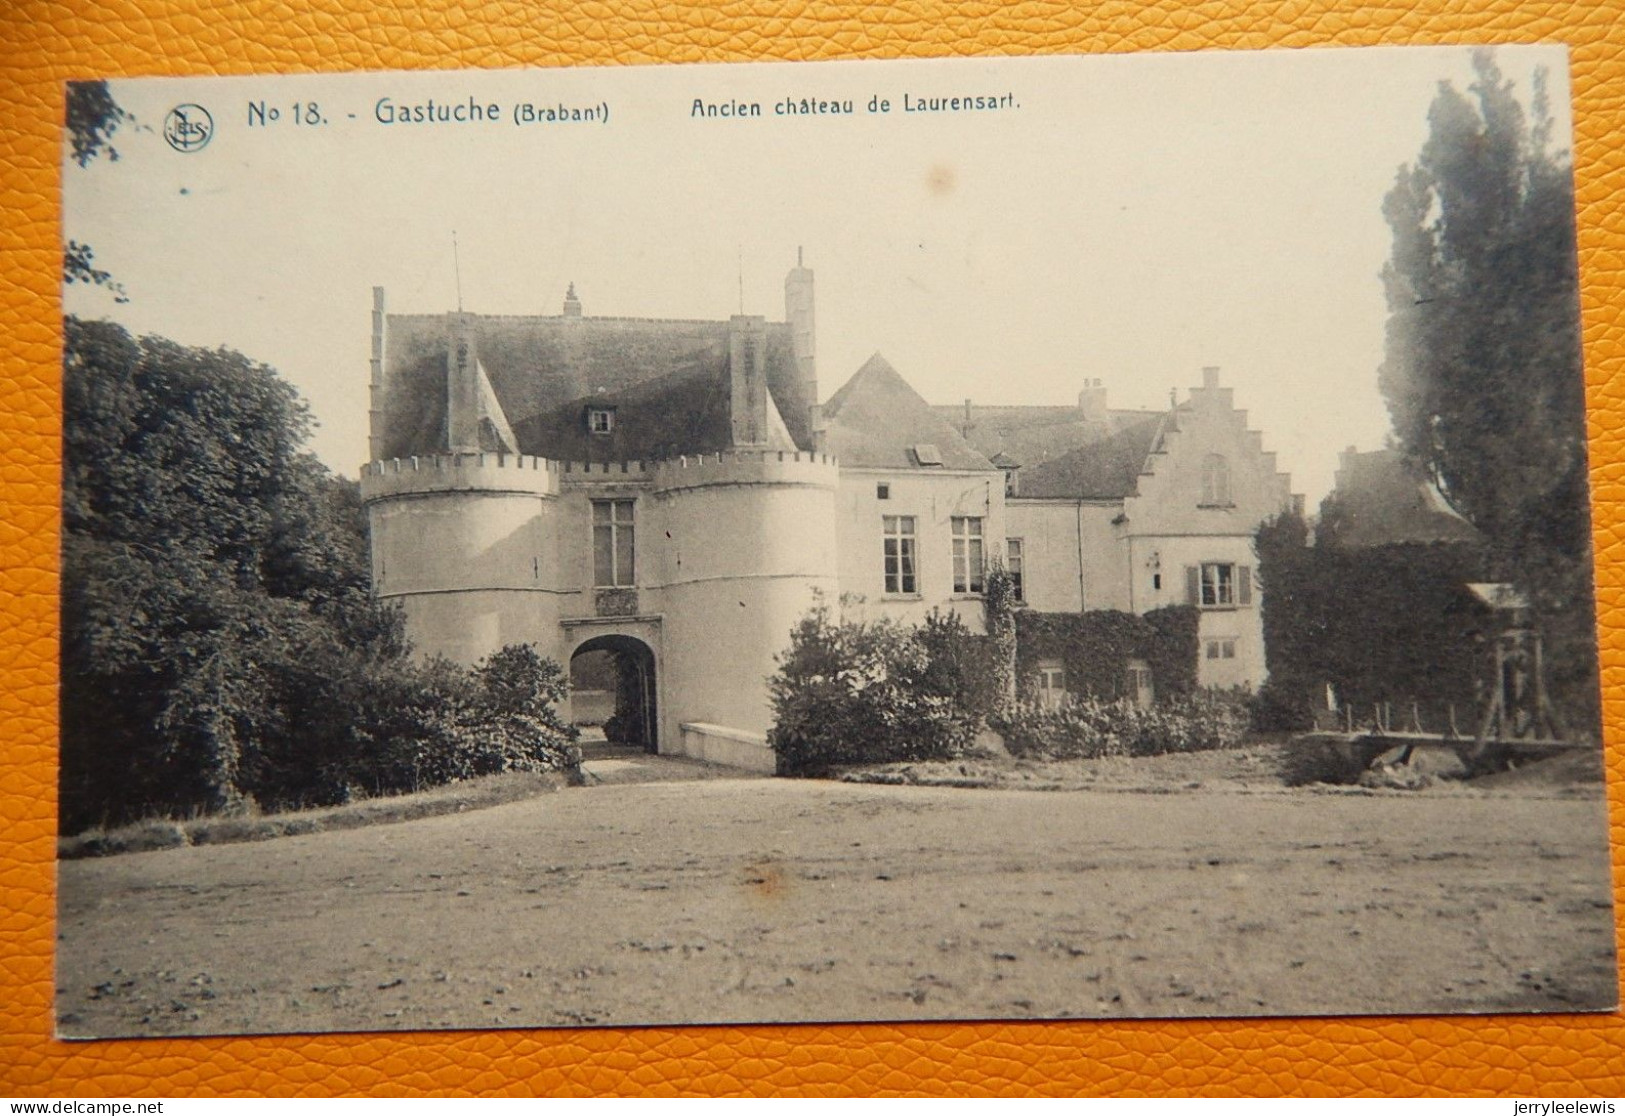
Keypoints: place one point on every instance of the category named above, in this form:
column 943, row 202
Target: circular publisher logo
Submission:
column 188, row 128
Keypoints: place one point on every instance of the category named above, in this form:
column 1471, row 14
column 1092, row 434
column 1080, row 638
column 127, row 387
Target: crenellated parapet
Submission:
column 576, row 473
column 541, row 476
column 498, row 473
column 772, row 468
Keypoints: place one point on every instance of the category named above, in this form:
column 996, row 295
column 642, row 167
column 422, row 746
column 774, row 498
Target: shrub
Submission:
column 439, row 722
column 1276, row 708
column 1089, row 728
column 854, row 692
column 961, row 664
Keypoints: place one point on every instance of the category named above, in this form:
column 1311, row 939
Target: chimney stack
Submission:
column 462, row 386
column 572, row 304
column 375, row 380
column 1092, row 401
column 747, row 379
column 1210, row 377
column 798, row 312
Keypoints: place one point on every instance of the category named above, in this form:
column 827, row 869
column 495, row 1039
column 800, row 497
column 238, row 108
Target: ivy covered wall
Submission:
column 1095, row 648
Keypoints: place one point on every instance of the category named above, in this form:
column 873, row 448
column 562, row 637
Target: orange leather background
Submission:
column 41, row 44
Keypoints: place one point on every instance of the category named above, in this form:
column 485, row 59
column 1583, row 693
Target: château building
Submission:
column 673, row 490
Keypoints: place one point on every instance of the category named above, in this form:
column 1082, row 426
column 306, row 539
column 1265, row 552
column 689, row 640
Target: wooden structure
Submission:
column 1517, row 723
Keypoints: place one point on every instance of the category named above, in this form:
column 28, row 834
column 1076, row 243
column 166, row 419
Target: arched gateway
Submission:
column 613, row 683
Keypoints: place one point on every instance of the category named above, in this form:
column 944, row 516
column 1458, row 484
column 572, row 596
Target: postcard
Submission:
column 1042, row 538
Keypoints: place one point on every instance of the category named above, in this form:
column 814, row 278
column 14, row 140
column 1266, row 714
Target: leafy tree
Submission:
column 220, row 641
column 1482, row 372
column 92, row 117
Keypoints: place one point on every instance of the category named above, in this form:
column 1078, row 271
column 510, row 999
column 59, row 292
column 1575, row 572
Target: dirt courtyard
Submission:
column 730, row 900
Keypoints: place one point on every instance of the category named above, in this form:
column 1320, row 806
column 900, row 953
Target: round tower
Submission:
column 463, row 542
column 748, row 543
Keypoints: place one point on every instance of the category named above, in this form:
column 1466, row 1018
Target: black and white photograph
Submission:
column 977, row 539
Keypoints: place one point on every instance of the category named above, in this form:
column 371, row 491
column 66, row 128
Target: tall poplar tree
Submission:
column 1482, row 373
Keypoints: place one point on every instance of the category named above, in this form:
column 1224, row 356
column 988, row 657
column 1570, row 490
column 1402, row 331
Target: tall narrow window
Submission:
column 1051, row 685
column 899, row 553
column 1012, row 562
column 1218, row 585
column 967, row 553
column 1216, row 481
column 613, row 558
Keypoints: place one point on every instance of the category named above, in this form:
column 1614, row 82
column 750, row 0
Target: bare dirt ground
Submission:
column 651, row 896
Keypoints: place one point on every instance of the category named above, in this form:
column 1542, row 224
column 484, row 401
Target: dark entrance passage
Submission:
column 612, row 684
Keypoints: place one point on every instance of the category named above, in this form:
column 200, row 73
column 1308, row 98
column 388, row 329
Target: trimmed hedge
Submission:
column 1391, row 625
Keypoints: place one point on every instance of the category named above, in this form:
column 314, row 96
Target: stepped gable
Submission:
column 539, row 364
column 877, row 419
column 686, row 412
column 1378, row 498
column 1033, row 435
column 1109, row 469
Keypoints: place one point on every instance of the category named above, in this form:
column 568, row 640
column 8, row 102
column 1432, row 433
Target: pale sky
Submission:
column 1135, row 218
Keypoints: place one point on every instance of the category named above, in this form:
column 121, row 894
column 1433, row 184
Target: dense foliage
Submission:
column 1387, row 625
column 850, row 692
column 1482, row 374
column 1088, row 728
column 1094, row 649
column 854, row 692
column 219, row 641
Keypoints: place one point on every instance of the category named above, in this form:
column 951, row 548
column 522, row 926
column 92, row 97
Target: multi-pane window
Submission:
column 967, row 553
column 600, row 421
column 1012, row 563
column 1221, row 648
column 613, row 560
column 1216, row 481
column 900, row 542
column 1218, row 585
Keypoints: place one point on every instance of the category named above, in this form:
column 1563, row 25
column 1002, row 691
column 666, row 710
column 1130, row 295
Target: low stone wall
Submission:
column 726, row 746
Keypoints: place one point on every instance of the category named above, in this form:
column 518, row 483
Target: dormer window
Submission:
column 927, row 454
column 600, row 420
column 1008, row 466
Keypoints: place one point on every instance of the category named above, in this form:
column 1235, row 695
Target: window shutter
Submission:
column 1244, row 585
column 1193, row 586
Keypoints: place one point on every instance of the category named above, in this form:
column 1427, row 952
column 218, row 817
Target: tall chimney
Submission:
column 798, row 312
column 1210, row 377
column 747, row 379
column 1092, row 401
column 462, row 386
column 375, row 380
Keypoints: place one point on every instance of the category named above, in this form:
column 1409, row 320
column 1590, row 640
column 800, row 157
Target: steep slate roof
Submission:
column 1033, row 435
column 876, row 419
column 539, row 366
column 684, row 413
column 1105, row 470
column 1379, row 499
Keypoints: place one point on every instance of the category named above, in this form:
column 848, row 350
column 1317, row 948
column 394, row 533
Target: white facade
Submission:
column 700, row 564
